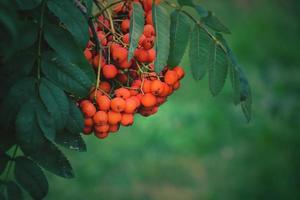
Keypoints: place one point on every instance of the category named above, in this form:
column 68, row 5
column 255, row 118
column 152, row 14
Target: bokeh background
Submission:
column 200, row 147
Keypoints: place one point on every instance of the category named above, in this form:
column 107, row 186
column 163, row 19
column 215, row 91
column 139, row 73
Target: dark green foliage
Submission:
column 218, row 67
column 71, row 141
column 213, row 22
column 3, row 161
column 28, row 129
column 19, row 93
column 43, row 73
column 75, row 119
column 73, row 19
column 52, row 159
column 31, row 178
column 66, row 75
column 199, row 51
column 161, row 21
column 10, row 191
column 181, row 26
column 137, row 22
column 27, row 4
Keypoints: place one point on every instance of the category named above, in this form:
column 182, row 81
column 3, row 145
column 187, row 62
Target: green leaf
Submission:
column 89, row 6
column 218, row 67
column 239, row 82
column 55, row 101
column 13, row 70
column 137, row 22
column 31, row 178
column 199, row 52
column 4, row 158
column 66, row 75
column 62, row 42
column 71, row 141
column 29, row 134
column 7, row 140
column 180, row 33
column 51, row 158
column 9, row 28
column 201, row 10
column 186, row 3
column 45, row 121
column 29, row 36
column 27, row 4
column 20, row 92
column 75, row 123
column 214, row 23
column 161, row 21
column 13, row 191
column 72, row 18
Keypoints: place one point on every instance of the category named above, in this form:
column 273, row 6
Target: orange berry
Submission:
column 127, row 119
column 141, row 55
column 176, row 86
column 137, row 101
column 161, row 100
column 180, row 72
column 166, row 90
column 126, row 38
column 134, row 90
column 118, row 104
column 88, row 54
column 96, row 61
column 171, row 77
column 146, row 86
column 136, row 83
column 122, row 93
column 119, row 54
column 88, row 122
column 157, row 87
column 105, row 86
column 100, row 118
column 109, row 71
column 104, row 128
column 102, row 38
column 113, row 46
column 125, row 25
column 125, row 64
column 149, row 18
column 142, row 38
column 122, row 78
column 95, row 94
column 151, row 55
column 146, row 112
column 148, row 100
column 149, row 31
column 114, row 128
column 101, row 135
column 148, row 43
column 131, row 106
column 103, row 103
column 87, row 130
column 114, row 117
column 82, row 103
column 88, row 109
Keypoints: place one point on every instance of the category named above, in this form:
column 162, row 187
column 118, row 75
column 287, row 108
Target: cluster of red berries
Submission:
column 126, row 87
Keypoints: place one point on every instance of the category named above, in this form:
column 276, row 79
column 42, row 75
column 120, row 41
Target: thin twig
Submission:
column 198, row 23
column 39, row 51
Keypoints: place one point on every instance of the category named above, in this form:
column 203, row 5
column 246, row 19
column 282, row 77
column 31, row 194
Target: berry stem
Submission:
column 98, row 72
column 199, row 23
column 39, row 51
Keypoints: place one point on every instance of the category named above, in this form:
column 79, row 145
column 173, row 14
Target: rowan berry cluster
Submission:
column 126, row 87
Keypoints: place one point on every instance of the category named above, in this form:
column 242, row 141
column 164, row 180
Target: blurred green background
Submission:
column 200, row 147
